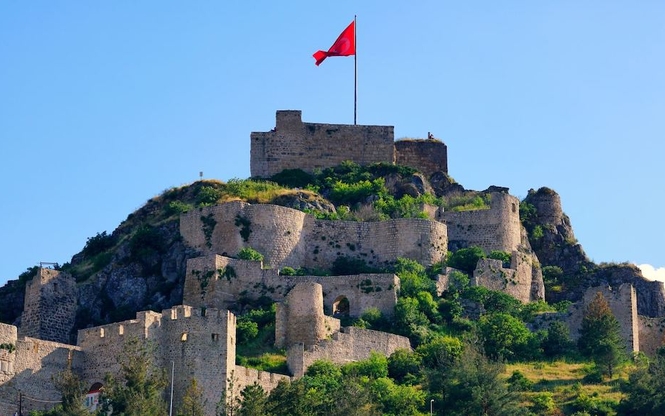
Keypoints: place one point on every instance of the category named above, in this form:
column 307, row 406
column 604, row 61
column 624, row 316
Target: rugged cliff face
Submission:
column 550, row 233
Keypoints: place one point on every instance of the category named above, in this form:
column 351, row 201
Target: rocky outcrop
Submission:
column 551, row 233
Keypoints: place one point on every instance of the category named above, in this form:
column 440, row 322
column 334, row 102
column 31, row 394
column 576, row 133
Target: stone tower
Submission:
column 50, row 306
column 300, row 317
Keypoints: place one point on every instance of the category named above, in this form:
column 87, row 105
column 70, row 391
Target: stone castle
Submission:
column 199, row 337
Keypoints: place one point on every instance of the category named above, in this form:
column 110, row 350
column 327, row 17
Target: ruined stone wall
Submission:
column 288, row 237
column 50, row 306
column 428, row 156
column 517, row 281
column 205, row 286
column 300, row 317
column 497, row 228
column 8, row 336
column 200, row 344
column 243, row 376
column 293, row 144
column 622, row 302
column 352, row 344
column 652, row 334
column 34, row 364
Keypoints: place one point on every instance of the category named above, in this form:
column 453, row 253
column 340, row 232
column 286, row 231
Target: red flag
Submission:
column 345, row 45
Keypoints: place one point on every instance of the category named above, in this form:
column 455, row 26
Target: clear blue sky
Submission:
column 104, row 105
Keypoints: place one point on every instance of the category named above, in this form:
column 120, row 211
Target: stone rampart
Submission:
column 50, row 306
column 201, row 345
column 243, row 376
column 300, row 317
column 518, row 280
column 652, row 334
column 351, row 344
column 496, row 228
column 30, row 369
column 293, row 144
column 288, row 237
column 428, row 156
column 218, row 281
column 622, row 302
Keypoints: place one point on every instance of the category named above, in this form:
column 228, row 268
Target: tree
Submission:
column 599, row 335
column 475, row 386
column 139, row 391
column 557, row 342
column 504, row 336
column 254, row 401
column 645, row 391
column 192, row 401
column 466, row 259
column 73, row 392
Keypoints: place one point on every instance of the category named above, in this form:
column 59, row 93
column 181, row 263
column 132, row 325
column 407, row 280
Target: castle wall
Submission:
column 293, row 144
column 206, row 287
column 200, row 345
column 243, row 377
column 497, row 228
column 622, row 302
column 517, row 281
column 352, row 344
column 428, row 156
column 652, row 334
column 300, row 318
column 30, row 369
column 50, row 306
column 288, row 237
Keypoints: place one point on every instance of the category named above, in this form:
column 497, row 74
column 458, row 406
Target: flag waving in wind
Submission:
column 345, row 45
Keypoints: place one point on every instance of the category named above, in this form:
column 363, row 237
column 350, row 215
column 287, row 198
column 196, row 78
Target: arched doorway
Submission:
column 92, row 397
column 341, row 306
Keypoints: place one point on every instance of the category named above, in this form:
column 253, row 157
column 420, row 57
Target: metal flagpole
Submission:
column 355, row 70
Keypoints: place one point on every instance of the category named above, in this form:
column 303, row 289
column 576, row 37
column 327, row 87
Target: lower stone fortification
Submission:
column 351, row 344
column 523, row 280
column 218, row 282
column 288, row 237
column 29, row 369
column 622, row 302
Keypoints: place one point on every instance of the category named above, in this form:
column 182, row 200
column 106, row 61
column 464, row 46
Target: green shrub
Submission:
column 501, row 255
column 97, row 244
column 293, row 178
column 519, row 382
column 246, row 330
column 343, row 266
column 466, row 259
column 248, row 253
column 208, row 195
column 287, row 271
column 178, row 207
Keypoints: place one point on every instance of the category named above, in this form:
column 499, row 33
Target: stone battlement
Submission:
column 293, row 144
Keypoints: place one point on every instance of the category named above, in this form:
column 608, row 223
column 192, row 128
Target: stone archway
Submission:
column 92, row 397
column 341, row 306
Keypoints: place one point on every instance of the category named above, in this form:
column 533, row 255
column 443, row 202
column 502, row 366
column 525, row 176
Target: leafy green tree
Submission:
column 475, row 386
column 557, row 342
column 404, row 366
column 466, row 259
column 192, row 401
column 504, row 336
column 139, row 391
column 645, row 390
column 73, row 392
column 254, row 401
column 600, row 338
